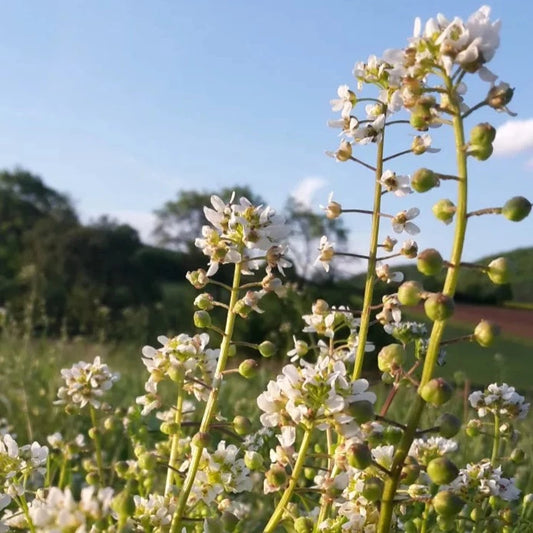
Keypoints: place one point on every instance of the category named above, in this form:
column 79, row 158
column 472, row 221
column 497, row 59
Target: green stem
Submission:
column 278, row 512
column 391, row 485
column 174, row 447
column 496, row 440
column 24, row 506
column 97, row 445
column 371, row 269
column 211, row 402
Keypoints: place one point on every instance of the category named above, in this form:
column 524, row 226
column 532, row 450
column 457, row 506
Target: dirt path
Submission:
column 514, row 322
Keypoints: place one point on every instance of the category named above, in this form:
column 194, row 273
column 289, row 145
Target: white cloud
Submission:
column 514, row 136
column 142, row 221
column 305, row 190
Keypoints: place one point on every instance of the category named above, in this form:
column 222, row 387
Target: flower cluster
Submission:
column 86, row 383
column 499, row 400
column 238, row 228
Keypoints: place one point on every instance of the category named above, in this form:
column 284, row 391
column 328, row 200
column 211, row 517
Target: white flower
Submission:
column 327, row 252
column 402, row 221
column 399, row 185
column 345, row 102
column 501, row 400
column 384, row 274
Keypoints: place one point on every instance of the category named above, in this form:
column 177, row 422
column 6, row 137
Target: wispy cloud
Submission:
column 306, row 189
column 513, row 137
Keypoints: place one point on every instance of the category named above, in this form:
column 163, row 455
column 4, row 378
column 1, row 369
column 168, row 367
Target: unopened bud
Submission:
column 248, row 368
column 204, row 301
column 429, row 262
column 439, row 307
column 485, row 333
column 253, row 460
column 436, row 392
column 198, row 278
column 516, row 209
column 444, row 210
column 424, row 179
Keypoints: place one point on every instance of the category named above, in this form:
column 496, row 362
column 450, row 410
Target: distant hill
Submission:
column 474, row 286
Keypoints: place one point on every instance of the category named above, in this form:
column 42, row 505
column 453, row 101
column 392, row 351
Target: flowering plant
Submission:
column 324, row 454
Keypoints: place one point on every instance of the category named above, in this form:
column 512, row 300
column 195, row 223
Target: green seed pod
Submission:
column 499, row 96
column 200, row 440
column 362, row 411
column 473, row 428
column 204, row 301
column 242, row 425
column 444, row 210
column 517, row 456
column 169, row 428
column 147, row 461
column 213, row 525
column 123, row 504
column 92, row 478
column 442, row 471
column 449, row 425
column 392, row 435
column 445, row 523
column 373, row 489
column 436, row 392
column 121, row 468
column 499, row 271
column 303, row 525
column 485, row 333
column 424, row 179
column 410, row 470
column 309, row 473
column 110, row 423
column 359, row 456
column 516, row 208
column 391, row 357
column 410, row 293
column 344, row 153
column 429, row 262
column 439, row 307
column 94, row 433
column 481, row 151
column 202, row 319
column 253, row 460
column 483, row 134
column 267, row 349
column 447, row 503
column 248, row 368
column 229, row 521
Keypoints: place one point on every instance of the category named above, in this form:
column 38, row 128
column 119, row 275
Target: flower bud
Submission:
column 436, row 392
column 442, row 470
column 444, row 210
column 303, row 524
column 242, row 425
column 362, row 411
column 516, row 209
column 429, row 262
column 359, row 456
column 424, row 179
column 204, row 301
column 447, row 503
column 267, row 349
column 202, row 319
column 253, row 460
column 248, row 368
column 410, row 293
column 499, row 96
column 439, row 306
column 198, row 278
column 391, row 357
column 485, row 333
column 499, row 271
column 449, row 425
column 373, row 489
column 276, row 476
column 482, row 134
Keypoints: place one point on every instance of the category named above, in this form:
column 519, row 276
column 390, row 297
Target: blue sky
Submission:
column 123, row 103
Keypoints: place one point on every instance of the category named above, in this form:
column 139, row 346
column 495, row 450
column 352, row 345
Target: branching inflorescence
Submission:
column 323, row 453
